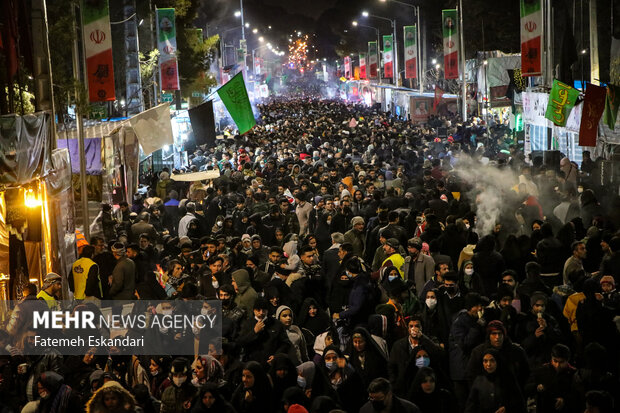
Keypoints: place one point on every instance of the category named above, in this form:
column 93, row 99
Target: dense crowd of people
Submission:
column 354, row 275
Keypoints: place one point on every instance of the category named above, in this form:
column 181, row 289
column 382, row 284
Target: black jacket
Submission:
column 259, row 346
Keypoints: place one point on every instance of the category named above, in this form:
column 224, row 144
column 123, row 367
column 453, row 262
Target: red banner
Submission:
column 100, row 69
column 169, row 75
column 451, row 65
column 593, row 107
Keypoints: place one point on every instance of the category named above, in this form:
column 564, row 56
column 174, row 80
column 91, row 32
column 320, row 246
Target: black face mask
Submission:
column 226, row 302
column 378, row 405
column 451, row 290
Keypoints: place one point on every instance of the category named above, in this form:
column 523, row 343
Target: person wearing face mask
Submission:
column 437, row 325
column 381, row 399
column 174, row 397
column 55, row 396
column 158, row 369
column 232, row 314
column 342, row 378
column 402, row 354
column 451, row 300
column 469, row 280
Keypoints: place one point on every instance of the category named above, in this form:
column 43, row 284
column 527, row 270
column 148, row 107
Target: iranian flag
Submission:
column 167, row 45
column 97, row 37
column 372, row 59
column 388, row 56
column 411, row 52
column 362, row 65
column 347, row 67
column 531, row 37
column 450, row 44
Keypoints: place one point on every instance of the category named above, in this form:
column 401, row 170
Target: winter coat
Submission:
column 127, row 403
column 272, row 339
column 488, row 393
column 247, row 295
column 123, row 280
column 465, row 335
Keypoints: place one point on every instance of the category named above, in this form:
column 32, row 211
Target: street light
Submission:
column 255, row 30
column 237, row 13
column 261, row 39
column 395, row 72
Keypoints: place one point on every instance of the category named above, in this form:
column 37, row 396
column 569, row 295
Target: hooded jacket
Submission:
column 247, row 295
column 127, row 402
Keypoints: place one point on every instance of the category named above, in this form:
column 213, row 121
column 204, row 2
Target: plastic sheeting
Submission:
column 25, row 147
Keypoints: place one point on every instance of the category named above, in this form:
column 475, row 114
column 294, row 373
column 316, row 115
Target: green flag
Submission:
column 612, row 102
column 561, row 102
column 235, row 97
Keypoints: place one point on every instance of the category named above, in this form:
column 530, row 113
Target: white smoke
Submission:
column 489, row 188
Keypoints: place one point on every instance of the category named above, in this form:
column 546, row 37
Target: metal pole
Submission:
column 594, row 61
column 378, row 55
column 397, row 73
column 464, row 90
column 419, row 41
column 243, row 38
column 80, row 130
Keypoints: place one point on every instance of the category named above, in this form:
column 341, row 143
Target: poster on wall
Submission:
column 420, row 109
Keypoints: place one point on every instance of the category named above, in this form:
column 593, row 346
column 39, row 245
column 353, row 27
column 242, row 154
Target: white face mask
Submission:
column 431, row 302
column 467, row 226
column 215, row 284
column 178, row 381
column 468, row 271
column 166, row 312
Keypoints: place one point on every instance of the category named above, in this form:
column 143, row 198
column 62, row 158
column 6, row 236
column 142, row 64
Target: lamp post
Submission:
column 395, row 42
column 355, row 24
column 421, row 62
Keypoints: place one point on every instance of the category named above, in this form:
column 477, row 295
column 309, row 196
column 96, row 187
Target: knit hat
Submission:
column 496, row 325
column 50, row 279
column 297, row 408
column 118, row 248
column 246, row 237
column 608, row 279
column 357, row 220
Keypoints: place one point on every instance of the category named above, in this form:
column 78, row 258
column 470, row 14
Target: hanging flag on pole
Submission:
column 561, row 101
column 531, row 37
column 612, row 103
column 167, row 45
column 593, row 106
column 257, row 65
column 362, row 65
column 347, row 67
column 388, row 56
column 411, row 52
column 372, row 59
column 450, row 44
column 234, row 95
column 97, row 37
